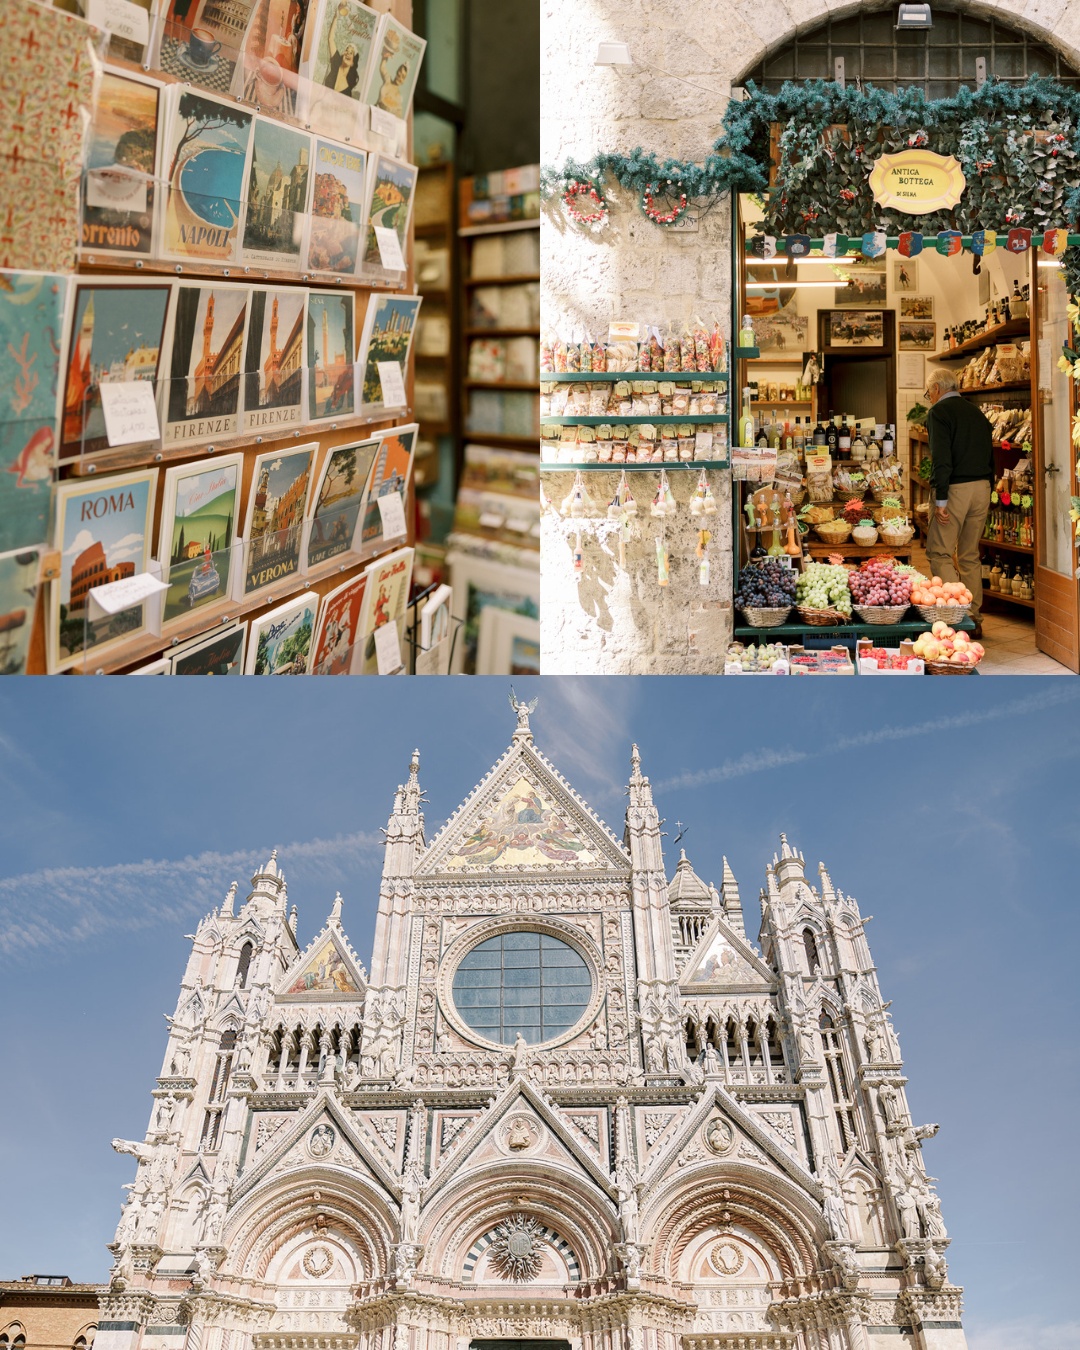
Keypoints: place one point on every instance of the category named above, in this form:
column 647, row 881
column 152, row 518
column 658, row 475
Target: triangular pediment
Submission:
column 523, row 817
column 521, row 1127
column 716, row 1130
column 324, row 1135
column 722, row 961
column 328, row 971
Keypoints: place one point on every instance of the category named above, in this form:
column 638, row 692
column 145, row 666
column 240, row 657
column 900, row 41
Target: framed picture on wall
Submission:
column 917, row 307
column 917, row 337
column 846, row 328
column 905, row 277
column 861, row 282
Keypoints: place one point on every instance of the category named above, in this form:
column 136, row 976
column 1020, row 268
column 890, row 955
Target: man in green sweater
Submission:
column 962, row 451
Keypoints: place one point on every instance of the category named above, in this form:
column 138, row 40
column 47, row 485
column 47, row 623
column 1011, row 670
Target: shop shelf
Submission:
column 516, row 279
column 1009, row 548
column 520, row 386
column 988, row 594
column 844, row 632
column 746, row 353
column 1002, row 333
column 1012, row 387
column 699, row 419
column 634, row 468
column 665, row 376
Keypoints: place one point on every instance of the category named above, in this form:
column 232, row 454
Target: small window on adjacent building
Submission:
column 243, row 965
column 810, row 946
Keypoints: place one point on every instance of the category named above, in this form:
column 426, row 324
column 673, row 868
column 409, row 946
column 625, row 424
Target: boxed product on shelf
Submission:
column 811, row 661
column 872, row 659
column 767, row 658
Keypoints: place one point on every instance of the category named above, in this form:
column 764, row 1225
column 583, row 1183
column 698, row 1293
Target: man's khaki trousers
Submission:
column 969, row 504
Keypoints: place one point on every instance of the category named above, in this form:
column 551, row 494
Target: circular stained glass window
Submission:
column 524, row 982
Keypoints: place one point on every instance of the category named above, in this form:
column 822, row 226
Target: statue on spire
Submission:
column 522, row 711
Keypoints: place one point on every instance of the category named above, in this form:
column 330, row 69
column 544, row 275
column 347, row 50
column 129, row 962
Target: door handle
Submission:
column 1051, row 468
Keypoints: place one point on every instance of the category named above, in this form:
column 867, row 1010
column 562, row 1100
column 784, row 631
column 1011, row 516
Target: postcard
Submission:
column 103, row 535
column 337, row 500
column 33, row 309
column 340, row 39
column 280, row 642
column 204, row 165
column 335, row 649
column 392, row 472
column 337, row 207
column 435, row 617
column 274, row 368
column 200, row 41
column 331, row 344
column 119, row 48
column 389, row 325
column 266, row 73
column 119, row 195
column 117, row 330
column 158, row 667
column 50, row 67
column 391, row 189
column 275, row 515
column 18, row 596
column 395, row 69
column 205, row 391
column 200, row 521
column 278, row 180
column 218, row 653
column 387, row 602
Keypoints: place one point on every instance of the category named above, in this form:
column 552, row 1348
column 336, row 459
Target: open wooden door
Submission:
column 1057, row 594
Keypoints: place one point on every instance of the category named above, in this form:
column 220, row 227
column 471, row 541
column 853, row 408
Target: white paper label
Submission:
column 392, row 511
column 392, row 379
column 434, row 661
column 121, row 18
column 116, row 189
column 491, row 520
column 115, row 596
column 389, row 249
column 387, row 649
column 130, row 409
column 384, row 123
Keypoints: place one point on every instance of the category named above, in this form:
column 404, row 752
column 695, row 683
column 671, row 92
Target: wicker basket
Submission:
column 878, row 514
column 833, row 531
column 883, row 494
column 949, row 613
column 881, row 613
column 947, row 668
column 870, row 535
column 895, row 538
column 850, row 494
column 765, row 618
column 822, row 618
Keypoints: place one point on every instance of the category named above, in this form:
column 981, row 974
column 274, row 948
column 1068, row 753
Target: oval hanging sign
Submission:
column 916, row 182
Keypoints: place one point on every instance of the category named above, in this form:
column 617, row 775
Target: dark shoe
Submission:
column 978, row 629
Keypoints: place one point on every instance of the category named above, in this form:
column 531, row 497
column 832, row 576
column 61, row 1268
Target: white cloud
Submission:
column 62, row 905
column 1025, row 1334
column 82, row 540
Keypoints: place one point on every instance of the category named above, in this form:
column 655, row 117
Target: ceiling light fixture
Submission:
column 913, row 17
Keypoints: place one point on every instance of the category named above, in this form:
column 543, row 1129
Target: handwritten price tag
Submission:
column 130, row 408
column 385, row 124
column 116, row 189
column 121, row 18
column 392, row 512
column 116, row 596
column 388, row 649
column 392, row 380
column 389, row 249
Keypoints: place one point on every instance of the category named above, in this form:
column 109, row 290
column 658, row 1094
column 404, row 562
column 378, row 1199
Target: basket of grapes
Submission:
column 766, row 592
column 822, row 595
column 879, row 592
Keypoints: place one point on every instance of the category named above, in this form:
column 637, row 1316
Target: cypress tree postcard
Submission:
column 219, row 653
column 275, row 515
column 266, row 74
column 331, row 343
column 396, row 68
column 205, row 388
column 121, row 165
column 18, row 596
column 103, row 535
column 274, row 367
column 337, row 500
column 337, row 207
column 204, row 167
column 200, row 521
column 200, row 41
column 280, row 642
column 391, row 187
column 277, row 196
column 32, row 325
column 392, row 472
column 117, row 330
column 387, row 600
column 335, row 649
column 339, row 44
column 389, row 325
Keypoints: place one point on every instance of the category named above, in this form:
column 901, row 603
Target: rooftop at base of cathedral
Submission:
column 568, row 1100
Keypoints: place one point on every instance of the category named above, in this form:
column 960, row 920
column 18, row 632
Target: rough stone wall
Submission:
column 613, row 623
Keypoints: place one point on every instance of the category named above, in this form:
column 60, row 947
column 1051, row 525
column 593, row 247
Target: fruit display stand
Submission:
column 849, row 633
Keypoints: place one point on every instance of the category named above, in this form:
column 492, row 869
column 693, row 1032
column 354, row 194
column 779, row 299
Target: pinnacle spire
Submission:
column 227, row 903
column 640, row 789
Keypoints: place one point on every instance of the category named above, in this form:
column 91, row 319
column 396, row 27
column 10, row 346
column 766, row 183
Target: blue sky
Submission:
column 947, row 807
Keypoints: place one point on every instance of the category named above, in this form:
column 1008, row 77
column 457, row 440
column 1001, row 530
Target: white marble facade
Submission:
column 571, row 1102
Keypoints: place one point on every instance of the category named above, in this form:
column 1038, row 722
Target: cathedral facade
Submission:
column 572, row 1105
